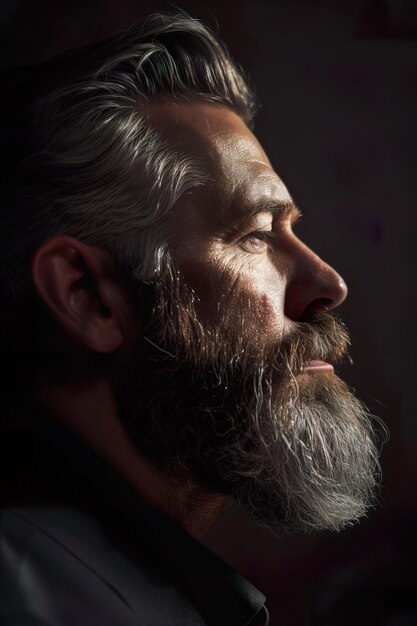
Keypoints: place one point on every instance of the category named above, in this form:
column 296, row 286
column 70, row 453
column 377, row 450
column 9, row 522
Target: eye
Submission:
column 257, row 241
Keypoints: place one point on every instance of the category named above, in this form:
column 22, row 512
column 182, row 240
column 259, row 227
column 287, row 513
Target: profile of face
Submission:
column 231, row 380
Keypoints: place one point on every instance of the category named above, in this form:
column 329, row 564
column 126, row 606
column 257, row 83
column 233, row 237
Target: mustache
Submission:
column 174, row 333
column 218, row 355
column 322, row 338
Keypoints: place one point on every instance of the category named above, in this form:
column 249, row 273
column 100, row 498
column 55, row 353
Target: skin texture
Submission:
column 216, row 246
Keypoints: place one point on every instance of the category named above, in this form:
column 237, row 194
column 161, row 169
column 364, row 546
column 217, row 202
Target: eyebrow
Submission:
column 282, row 209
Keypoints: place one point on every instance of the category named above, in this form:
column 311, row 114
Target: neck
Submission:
column 89, row 410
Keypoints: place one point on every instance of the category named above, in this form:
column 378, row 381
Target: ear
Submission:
column 85, row 294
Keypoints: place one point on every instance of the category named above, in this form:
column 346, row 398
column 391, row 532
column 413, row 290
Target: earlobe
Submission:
column 76, row 285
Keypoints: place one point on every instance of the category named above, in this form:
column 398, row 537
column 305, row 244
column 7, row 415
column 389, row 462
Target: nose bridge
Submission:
column 313, row 285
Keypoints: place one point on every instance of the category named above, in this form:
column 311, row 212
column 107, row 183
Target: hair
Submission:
column 80, row 159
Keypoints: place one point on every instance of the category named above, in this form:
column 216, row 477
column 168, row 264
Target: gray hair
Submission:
column 79, row 156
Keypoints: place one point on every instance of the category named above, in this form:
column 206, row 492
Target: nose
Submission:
column 312, row 286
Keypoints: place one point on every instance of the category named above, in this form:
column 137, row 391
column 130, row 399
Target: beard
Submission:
column 216, row 402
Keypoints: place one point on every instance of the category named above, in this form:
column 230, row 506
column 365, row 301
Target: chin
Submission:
column 317, row 466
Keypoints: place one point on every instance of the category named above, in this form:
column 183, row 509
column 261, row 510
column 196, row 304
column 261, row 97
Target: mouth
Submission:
column 316, row 366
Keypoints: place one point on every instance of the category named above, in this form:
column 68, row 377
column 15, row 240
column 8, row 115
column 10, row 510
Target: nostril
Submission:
column 320, row 305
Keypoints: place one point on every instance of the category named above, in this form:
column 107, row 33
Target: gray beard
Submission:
column 297, row 450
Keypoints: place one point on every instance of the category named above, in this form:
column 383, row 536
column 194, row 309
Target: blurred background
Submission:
column 338, row 85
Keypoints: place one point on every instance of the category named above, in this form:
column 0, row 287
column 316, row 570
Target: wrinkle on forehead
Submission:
column 204, row 129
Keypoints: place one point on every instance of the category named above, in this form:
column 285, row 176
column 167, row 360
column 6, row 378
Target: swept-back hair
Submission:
column 80, row 159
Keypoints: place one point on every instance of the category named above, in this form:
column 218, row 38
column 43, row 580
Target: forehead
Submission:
column 238, row 168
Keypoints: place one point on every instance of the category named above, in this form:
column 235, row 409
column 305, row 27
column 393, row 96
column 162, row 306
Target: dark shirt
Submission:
column 79, row 547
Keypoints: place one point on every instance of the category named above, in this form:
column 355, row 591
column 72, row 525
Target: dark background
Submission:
column 338, row 85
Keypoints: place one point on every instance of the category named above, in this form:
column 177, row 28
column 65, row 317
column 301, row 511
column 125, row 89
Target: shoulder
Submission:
column 47, row 575
column 61, row 567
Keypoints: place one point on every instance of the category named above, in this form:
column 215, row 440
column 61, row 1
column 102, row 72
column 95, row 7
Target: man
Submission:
column 168, row 338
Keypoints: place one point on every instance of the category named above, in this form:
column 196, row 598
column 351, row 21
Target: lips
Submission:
column 316, row 365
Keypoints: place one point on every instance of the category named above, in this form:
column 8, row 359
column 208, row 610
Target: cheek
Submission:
column 248, row 301
column 266, row 321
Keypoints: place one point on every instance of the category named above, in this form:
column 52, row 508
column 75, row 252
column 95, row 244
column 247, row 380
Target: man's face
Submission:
column 231, row 378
